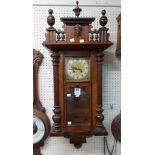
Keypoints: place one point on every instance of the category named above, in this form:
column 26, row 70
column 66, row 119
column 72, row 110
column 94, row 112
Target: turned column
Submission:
column 99, row 109
column 51, row 38
column 57, row 110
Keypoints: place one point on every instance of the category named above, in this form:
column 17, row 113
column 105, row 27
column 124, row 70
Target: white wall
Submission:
column 111, row 77
column 81, row 2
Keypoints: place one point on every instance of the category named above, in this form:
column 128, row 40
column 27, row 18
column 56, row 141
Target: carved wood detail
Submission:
column 60, row 35
column 104, row 36
column 37, row 59
column 79, row 40
column 77, row 10
column 57, row 110
column 77, row 141
column 99, row 109
column 51, row 20
column 77, row 29
column 38, row 109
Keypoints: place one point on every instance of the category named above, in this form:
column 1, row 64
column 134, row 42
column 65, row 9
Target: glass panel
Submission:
column 78, row 107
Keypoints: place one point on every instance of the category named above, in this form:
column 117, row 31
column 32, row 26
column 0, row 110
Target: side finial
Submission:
column 77, row 10
column 50, row 19
column 103, row 19
column 104, row 36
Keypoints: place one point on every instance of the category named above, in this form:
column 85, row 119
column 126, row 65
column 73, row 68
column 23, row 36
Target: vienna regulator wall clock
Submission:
column 41, row 122
column 77, row 55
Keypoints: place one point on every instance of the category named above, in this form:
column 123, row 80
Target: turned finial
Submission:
column 103, row 19
column 77, row 10
column 103, row 12
column 50, row 19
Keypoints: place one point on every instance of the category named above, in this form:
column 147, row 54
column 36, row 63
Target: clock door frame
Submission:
column 91, row 85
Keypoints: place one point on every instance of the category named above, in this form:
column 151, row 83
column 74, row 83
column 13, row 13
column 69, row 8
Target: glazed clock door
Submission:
column 77, row 91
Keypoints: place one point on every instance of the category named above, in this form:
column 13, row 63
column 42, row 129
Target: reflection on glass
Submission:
column 78, row 108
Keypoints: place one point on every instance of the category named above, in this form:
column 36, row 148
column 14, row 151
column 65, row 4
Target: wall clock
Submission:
column 41, row 122
column 77, row 55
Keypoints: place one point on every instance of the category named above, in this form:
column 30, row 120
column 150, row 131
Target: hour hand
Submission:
column 76, row 68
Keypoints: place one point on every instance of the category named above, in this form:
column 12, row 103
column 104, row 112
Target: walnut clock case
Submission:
column 77, row 55
column 41, row 122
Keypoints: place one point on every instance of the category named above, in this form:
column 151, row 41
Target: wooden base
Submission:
column 77, row 141
column 79, row 137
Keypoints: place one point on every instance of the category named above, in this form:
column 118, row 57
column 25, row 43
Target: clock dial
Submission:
column 77, row 69
column 38, row 129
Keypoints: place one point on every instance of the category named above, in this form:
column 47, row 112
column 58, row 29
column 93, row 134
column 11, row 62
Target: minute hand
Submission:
column 76, row 68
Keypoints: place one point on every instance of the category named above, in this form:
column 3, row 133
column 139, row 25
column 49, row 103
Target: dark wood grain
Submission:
column 87, row 117
column 57, row 110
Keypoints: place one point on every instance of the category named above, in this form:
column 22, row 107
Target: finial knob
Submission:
column 103, row 12
column 50, row 11
column 77, row 10
column 50, row 18
column 103, row 19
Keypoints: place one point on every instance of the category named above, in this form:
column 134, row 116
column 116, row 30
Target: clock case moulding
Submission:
column 77, row 39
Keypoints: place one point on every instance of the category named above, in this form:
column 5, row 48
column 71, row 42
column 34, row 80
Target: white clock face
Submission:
column 77, row 69
column 38, row 129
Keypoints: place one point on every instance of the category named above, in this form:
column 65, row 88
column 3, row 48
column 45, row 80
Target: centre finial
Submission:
column 77, row 10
